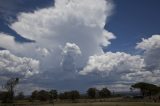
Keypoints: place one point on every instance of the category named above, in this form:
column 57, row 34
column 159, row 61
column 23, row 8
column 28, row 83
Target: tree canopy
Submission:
column 104, row 93
column 146, row 89
column 9, row 86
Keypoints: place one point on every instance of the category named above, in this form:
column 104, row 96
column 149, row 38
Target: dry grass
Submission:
column 93, row 104
column 111, row 104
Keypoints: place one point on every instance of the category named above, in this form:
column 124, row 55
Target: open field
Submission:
column 112, row 104
column 95, row 104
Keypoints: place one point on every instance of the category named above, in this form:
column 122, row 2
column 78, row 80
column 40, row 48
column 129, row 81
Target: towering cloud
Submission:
column 65, row 35
column 68, row 44
column 68, row 21
column 70, row 51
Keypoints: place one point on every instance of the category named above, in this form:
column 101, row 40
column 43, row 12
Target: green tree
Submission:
column 104, row 93
column 10, row 86
column 91, row 92
column 53, row 94
column 146, row 89
column 34, row 95
column 43, row 95
column 74, row 95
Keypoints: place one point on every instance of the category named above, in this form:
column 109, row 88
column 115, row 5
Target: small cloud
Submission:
column 71, row 49
column 43, row 51
column 151, row 43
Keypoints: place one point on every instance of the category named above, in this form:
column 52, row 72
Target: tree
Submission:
column 74, row 95
column 4, row 96
column 91, row 92
column 65, row 95
column 146, row 89
column 53, row 94
column 43, row 95
column 104, row 93
column 10, row 85
column 34, row 95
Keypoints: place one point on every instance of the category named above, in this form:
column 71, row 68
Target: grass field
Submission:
column 95, row 104
column 111, row 104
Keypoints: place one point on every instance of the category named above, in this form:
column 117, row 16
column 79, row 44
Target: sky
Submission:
column 77, row 44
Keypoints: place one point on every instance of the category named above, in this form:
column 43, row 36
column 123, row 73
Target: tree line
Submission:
column 8, row 96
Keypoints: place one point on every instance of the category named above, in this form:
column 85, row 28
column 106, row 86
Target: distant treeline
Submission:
column 9, row 96
column 91, row 93
column 53, row 95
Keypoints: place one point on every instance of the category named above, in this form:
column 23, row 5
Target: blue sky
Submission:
column 55, row 41
column 133, row 20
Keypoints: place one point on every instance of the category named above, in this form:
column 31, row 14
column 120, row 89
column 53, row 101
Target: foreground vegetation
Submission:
column 91, row 104
column 149, row 95
column 112, row 104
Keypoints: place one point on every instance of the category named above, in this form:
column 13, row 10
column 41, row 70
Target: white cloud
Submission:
column 71, row 33
column 70, row 52
column 43, row 51
column 151, row 48
column 150, row 43
column 80, row 22
column 7, row 41
column 71, row 49
column 67, row 21
column 11, row 64
column 124, row 69
column 118, row 62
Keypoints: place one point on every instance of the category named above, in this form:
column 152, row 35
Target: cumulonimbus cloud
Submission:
column 68, row 21
column 81, row 23
column 76, row 28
